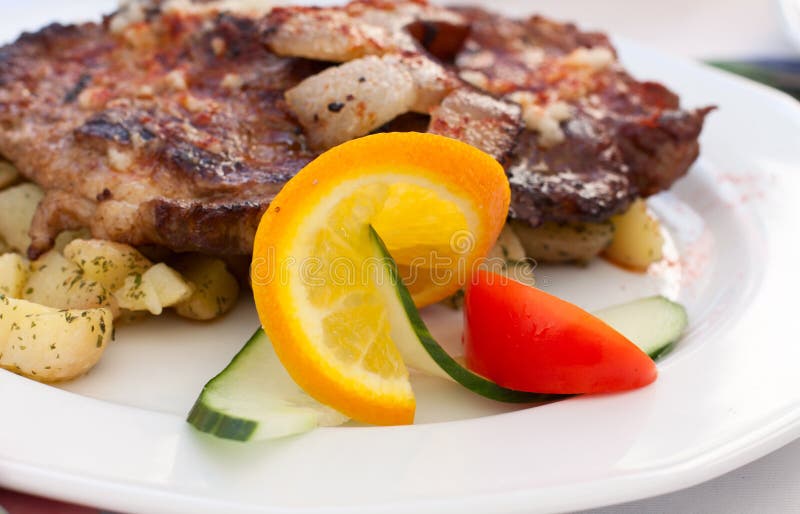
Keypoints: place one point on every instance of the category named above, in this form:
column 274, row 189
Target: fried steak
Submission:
column 174, row 129
column 173, row 132
column 596, row 138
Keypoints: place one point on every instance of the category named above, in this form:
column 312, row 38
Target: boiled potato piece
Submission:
column 56, row 282
column 637, row 239
column 14, row 269
column 154, row 290
column 17, row 205
column 8, row 174
column 136, row 294
column 508, row 257
column 49, row 344
column 170, row 286
column 551, row 242
column 508, row 246
column 106, row 262
column 216, row 290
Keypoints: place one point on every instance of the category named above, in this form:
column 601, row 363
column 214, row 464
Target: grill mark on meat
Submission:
column 73, row 93
column 102, row 127
column 196, row 161
column 238, row 34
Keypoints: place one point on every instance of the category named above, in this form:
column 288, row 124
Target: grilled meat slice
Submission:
column 172, row 131
column 597, row 138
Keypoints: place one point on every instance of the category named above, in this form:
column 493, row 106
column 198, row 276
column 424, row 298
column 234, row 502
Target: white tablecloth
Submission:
column 711, row 29
column 770, row 485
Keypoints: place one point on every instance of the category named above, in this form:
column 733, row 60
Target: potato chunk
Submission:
column 138, row 295
column 48, row 344
column 508, row 246
column 14, row 269
column 216, row 290
column 508, row 257
column 8, row 174
column 551, row 242
column 638, row 241
column 106, row 262
column 56, row 282
column 169, row 285
column 17, row 205
column 154, row 290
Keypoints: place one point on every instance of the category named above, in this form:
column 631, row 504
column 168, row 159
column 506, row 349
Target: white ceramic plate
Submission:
column 728, row 394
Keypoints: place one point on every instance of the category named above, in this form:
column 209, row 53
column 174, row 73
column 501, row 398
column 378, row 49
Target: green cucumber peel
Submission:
column 254, row 398
column 448, row 364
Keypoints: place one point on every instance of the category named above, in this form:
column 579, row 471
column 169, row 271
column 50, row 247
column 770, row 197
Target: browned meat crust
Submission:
column 621, row 139
column 174, row 131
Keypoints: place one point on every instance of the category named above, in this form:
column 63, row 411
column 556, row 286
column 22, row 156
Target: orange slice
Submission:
column 437, row 203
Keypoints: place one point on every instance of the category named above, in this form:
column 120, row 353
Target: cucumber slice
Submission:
column 254, row 398
column 653, row 324
column 421, row 351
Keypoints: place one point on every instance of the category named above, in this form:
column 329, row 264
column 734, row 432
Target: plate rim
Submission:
column 130, row 497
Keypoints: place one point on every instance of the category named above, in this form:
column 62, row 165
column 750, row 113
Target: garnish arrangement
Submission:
column 342, row 319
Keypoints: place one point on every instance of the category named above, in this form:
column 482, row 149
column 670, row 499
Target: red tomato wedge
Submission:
column 525, row 339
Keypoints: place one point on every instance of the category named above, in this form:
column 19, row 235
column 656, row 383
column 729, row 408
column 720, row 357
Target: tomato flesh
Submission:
column 525, row 339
